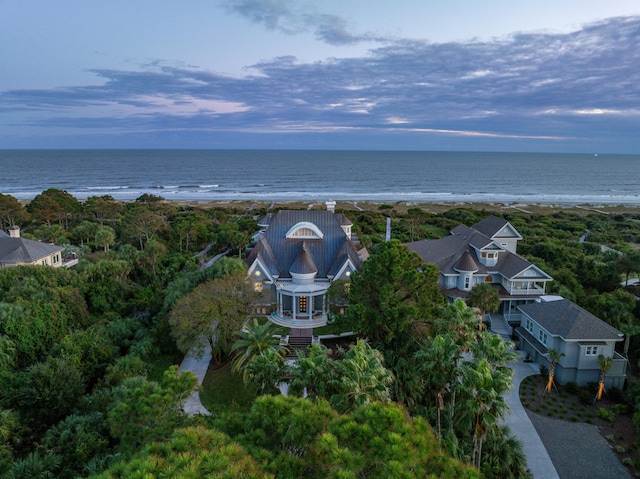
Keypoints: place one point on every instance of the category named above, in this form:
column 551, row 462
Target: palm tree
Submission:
column 486, row 298
column 503, row 456
column 482, row 390
column 438, row 365
column 7, row 352
column 265, row 369
column 254, row 339
column 312, row 373
column 361, row 379
column 460, row 320
column 553, row 357
column 604, row 364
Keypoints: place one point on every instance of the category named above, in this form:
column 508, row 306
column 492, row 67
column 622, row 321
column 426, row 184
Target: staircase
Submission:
column 500, row 326
column 298, row 343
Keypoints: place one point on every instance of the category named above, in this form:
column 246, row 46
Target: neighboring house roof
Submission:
column 466, row 263
column 495, row 227
column 22, row 250
column 449, row 253
column 569, row 321
column 325, row 255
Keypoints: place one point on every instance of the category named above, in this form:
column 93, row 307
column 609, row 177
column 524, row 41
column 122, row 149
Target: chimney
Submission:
column 14, row 232
column 331, row 206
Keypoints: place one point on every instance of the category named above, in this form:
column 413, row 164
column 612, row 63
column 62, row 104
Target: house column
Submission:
column 295, row 304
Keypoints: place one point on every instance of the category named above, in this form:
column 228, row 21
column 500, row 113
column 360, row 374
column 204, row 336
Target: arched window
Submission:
column 304, row 230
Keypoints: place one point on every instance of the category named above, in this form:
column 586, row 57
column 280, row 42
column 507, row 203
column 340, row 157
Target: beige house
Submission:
column 17, row 251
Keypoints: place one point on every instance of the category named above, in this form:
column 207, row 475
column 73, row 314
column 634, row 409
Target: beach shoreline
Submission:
column 434, row 207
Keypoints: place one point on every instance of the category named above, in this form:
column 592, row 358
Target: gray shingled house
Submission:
column 557, row 323
column 295, row 258
column 16, row 251
column 485, row 253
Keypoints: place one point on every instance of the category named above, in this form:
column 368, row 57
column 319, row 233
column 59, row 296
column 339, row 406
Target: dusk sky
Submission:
column 492, row 75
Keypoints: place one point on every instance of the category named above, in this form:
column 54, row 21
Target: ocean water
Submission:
column 209, row 175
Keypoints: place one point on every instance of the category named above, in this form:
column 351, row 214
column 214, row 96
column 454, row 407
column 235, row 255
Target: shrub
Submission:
column 572, row 387
column 606, row 414
column 620, row 408
column 585, row 396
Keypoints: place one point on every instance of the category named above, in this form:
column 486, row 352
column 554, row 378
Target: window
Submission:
column 257, row 287
column 488, row 279
column 529, row 325
column 484, row 255
column 542, row 337
column 467, row 280
column 304, row 230
column 303, row 304
column 591, row 351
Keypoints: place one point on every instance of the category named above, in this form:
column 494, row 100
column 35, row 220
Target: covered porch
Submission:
column 300, row 305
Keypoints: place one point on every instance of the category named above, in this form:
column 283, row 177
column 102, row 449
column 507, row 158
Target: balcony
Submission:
column 523, row 290
column 618, row 366
column 286, row 319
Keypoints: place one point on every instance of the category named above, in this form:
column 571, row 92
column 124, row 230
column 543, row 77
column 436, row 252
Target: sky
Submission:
column 461, row 75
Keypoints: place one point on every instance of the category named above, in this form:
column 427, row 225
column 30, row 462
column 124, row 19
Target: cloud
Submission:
column 583, row 86
column 292, row 18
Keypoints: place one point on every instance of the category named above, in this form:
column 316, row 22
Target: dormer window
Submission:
column 304, row 230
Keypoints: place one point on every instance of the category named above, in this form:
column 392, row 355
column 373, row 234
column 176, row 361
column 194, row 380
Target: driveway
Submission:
column 555, row 448
column 521, row 427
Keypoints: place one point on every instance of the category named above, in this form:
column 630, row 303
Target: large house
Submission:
column 557, row 323
column 485, row 253
column 295, row 258
column 16, row 251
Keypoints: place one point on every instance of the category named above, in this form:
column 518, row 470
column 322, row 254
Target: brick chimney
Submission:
column 14, row 232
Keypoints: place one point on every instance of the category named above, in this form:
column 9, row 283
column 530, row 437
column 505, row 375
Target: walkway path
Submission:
column 197, row 366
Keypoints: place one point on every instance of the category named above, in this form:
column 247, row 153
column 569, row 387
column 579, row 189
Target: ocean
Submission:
column 288, row 175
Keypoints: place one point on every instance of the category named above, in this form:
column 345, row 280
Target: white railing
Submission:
column 288, row 322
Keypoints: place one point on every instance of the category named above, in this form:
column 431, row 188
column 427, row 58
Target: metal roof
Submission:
column 279, row 253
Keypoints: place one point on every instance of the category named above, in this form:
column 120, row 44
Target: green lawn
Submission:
column 158, row 365
column 222, row 389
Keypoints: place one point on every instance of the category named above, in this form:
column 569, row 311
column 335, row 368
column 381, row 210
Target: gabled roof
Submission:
column 495, row 227
column 446, row 253
column 279, row 253
column 22, row 250
column 304, row 262
column 569, row 321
